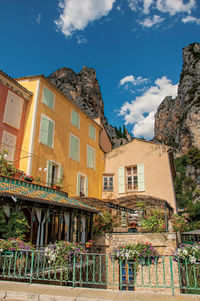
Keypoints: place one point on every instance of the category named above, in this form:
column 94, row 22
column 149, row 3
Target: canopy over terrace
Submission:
column 52, row 215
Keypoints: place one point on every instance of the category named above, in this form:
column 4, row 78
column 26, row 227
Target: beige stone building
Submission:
column 140, row 169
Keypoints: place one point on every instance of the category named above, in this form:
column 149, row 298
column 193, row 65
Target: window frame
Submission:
column 48, row 118
column 78, row 127
column 132, row 176
column 45, row 87
column 110, row 188
column 70, row 147
column 92, row 148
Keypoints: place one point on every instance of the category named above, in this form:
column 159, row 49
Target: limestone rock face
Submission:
column 177, row 121
column 83, row 89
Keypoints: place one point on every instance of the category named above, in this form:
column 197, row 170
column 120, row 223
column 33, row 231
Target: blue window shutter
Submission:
column 48, row 98
column 44, row 130
column 121, row 179
column 141, row 182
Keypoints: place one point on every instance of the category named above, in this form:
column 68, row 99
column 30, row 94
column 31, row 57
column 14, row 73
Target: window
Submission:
column 54, row 173
column 8, row 143
column 108, row 183
column 90, row 157
column 75, row 119
column 48, row 98
column 13, row 110
column 74, row 147
column 82, row 185
column 92, row 133
column 132, row 178
column 46, row 131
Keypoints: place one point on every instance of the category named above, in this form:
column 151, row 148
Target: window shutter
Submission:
column 48, row 98
column 90, row 157
column 49, row 173
column 60, row 174
column 74, row 148
column 92, row 132
column 13, row 110
column 78, row 185
column 140, row 171
column 75, row 118
column 50, row 134
column 121, row 179
column 86, row 186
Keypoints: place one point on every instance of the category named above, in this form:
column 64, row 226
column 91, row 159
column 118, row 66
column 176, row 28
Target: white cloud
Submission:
column 175, row 6
column 149, row 22
column 81, row 40
column 76, row 14
column 191, row 19
column 133, row 80
column 38, row 18
column 140, row 111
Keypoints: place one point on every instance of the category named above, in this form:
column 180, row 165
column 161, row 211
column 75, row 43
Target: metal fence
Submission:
column 101, row 271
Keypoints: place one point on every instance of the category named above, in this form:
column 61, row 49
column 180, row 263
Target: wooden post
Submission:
column 71, row 226
column 79, row 227
column 31, row 234
column 46, row 227
column 91, row 226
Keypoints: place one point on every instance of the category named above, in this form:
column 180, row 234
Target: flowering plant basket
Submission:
column 28, row 178
column 188, row 254
column 14, row 244
column 141, row 253
column 63, row 252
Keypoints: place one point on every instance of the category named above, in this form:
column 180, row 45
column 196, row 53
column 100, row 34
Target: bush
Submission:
column 104, row 222
column 180, row 222
column 154, row 222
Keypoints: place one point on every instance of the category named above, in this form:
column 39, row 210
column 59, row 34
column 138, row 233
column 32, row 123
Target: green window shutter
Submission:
column 121, row 179
column 78, row 185
column 48, row 98
column 75, row 119
column 49, row 172
column 90, row 157
column 74, row 148
column 60, row 174
column 92, row 133
column 86, row 186
column 47, row 131
column 141, row 182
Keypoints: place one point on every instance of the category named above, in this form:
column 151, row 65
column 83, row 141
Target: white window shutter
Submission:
column 141, row 182
column 121, row 179
column 78, row 185
column 86, row 186
column 49, row 172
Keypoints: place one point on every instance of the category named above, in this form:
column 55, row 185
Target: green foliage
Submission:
column 193, row 157
column 153, row 222
column 119, row 132
column 3, row 222
column 17, row 225
column 104, row 222
column 7, row 168
column 180, row 222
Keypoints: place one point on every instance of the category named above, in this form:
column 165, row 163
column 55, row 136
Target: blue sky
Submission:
column 135, row 47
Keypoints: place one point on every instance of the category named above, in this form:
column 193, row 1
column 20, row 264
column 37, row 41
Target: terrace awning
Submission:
column 29, row 191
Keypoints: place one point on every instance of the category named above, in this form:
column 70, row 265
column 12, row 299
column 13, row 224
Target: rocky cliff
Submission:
column 83, row 89
column 177, row 121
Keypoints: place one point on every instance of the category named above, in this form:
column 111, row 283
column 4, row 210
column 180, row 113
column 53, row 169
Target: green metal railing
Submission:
column 101, row 271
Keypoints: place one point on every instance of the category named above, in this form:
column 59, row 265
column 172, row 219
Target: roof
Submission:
column 16, row 83
column 196, row 232
column 45, row 78
column 33, row 192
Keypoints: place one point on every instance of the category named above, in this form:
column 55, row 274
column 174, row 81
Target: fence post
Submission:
column 32, row 261
column 172, row 275
column 74, row 271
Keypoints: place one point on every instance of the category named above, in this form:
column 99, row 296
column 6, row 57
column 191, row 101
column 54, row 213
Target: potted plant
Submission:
column 154, row 222
column 28, row 178
column 104, row 222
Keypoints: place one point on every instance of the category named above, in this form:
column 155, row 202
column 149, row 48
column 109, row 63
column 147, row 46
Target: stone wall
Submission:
column 155, row 277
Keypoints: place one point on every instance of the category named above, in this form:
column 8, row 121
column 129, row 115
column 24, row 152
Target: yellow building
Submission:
column 61, row 143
